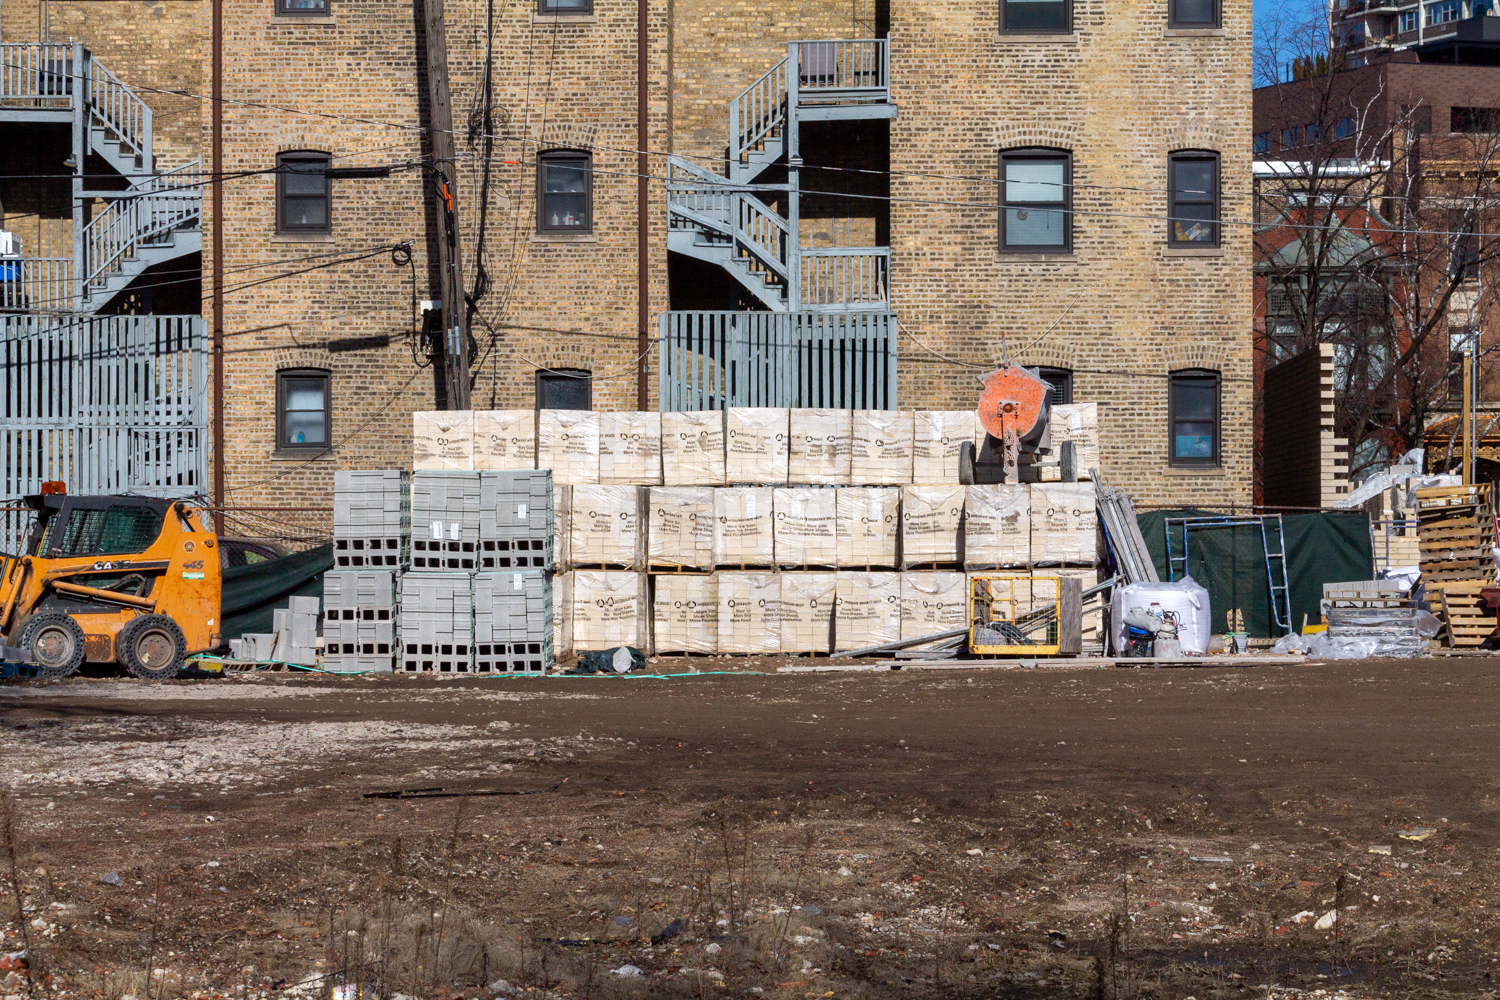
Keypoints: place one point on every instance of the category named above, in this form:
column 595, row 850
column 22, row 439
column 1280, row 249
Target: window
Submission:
column 302, row 8
column 302, row 193
column 565, row 6
column 1059, row 384
column 1036, row 201
column 302, row 410
column 1442, row 12
column 1037, row 17
column 1312, row 133
column 565, row 389
column 1409, row 20
column 564, row 196
column 1465, row 259
column 1195, row 200
column 1474, row 121
column 1193, row 415
column 1343, row 128
column 102, row 532
column 1459, row 343
column 1262, row 142
column 1289, row 137
column 1193, row 13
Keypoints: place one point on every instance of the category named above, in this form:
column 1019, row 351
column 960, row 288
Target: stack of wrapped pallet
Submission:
column 514, row 604
column 359, row 620
column 751, row 530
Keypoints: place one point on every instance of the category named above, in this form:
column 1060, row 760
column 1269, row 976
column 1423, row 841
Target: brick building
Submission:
column 964, row 182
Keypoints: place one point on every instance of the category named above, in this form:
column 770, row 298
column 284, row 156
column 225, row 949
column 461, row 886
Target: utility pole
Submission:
column 1468, row 418
column 216, row 184
column 642, row 217
column 444, row 179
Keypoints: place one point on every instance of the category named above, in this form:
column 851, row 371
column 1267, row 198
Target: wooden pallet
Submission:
column 1465, row 615
column 1456, row 573
column 1435, row 497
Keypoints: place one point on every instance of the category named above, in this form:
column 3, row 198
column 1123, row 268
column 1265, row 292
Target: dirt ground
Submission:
column 1113, row 834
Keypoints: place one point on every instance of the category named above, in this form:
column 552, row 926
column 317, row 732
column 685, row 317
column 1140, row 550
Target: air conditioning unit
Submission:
column 10, row 245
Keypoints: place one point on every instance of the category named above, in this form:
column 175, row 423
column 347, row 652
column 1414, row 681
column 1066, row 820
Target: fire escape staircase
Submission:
column 730, row 220
column 122, row 225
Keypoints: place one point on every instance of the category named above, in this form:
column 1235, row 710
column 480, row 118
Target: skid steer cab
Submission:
column 111, row 579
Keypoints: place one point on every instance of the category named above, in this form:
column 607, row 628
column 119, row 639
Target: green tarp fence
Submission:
column 252, row 592
column 1230, row 563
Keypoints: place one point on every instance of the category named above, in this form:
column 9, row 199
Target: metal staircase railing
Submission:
column 162, row 204
column 857, row 277
column 123, row 114
column 36, row 75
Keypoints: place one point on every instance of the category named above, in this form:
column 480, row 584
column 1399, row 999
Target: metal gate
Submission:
column 713, row 360
column 108, row 404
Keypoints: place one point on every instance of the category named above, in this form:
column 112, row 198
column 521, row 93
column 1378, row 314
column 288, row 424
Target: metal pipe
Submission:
column 642, row 227
column 952, row 633
column 98, row 593
column 218, row 252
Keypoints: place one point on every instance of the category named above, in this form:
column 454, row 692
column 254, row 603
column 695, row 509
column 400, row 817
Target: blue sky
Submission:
column 1291, row 11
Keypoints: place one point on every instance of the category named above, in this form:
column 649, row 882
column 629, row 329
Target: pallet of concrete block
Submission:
column 443, row 439
column 516, row 520
column 567, row 443
column 607, row 527
column 630, row 448
column 1064, row 528
column 371, row 519
column 821, row 443
column 997, row 526
column 932, row 526
column 504, row 439
column 296, row 630
column 867, row 609
column 680, row 528
column 562, row 616
column 937, row 438
column 359, row 620
column 806, row 531
column 685, row 613
column 749, row 612
column 756, row 445
column 436, row 626
column 513, row 626
column 692, row 448
column 610, row 608
column 933, row 602
column 881, row 447
column 445, row 520
column 868, row 526
column 1078, row 423
column 744, row 527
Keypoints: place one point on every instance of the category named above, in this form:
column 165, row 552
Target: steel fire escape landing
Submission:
column 827, row 337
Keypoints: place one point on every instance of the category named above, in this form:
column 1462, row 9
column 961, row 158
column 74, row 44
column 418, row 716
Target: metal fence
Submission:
column 109, row 404
column 713, row 360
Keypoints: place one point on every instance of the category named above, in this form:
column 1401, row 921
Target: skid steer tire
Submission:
column 55, row 641
column 151, row 647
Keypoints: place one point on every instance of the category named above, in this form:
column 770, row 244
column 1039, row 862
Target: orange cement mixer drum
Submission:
column 1013, row 399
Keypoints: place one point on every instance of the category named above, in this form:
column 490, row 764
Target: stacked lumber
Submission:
column 1456, row 537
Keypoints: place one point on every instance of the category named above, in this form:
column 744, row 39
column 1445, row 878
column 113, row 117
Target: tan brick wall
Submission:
column 1120, row 98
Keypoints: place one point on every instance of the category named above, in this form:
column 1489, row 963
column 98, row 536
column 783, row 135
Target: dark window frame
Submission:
column 1173, row 21
column 552, row 8
column 1057, row 378
column 1215, row 198
column 283, row 377
column 561, row 157
column 548, row 376
column 1067, row 28
column 1196, row 376
column 1065, row 206
column 284, row 8
column 283, row 160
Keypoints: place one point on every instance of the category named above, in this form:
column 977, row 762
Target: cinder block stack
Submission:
column 359, row 621
column 296, row 630
column 516, row 520
column 445, row 511
column 437, row 622
column 513, row 623
column 372, row 519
